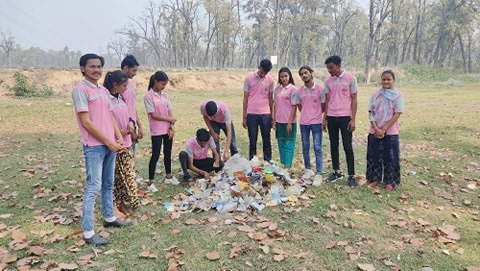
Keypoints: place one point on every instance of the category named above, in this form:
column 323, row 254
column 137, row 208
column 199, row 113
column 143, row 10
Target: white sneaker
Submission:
column 308, row 174
column 172, row 181
column 152, row 188
column 318, row 180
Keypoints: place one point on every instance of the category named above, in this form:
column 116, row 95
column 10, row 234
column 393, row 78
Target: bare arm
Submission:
column 245, row 105
column 195, row 169
column 226, row 151
column 351, row 124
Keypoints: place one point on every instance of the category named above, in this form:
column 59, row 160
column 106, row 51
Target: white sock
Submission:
column 110, row 219
column 88, row 234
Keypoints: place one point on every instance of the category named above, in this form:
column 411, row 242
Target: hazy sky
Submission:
column 86, row 25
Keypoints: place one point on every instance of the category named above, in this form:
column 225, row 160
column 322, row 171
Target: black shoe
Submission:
column 334, row 177
column 116, row 224
column 96, row 240
column 352, row 182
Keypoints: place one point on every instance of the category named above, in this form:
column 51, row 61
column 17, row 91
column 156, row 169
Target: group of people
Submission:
column 110, row 128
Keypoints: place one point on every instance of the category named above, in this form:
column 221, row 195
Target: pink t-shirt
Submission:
column 258, row 92
column 196, row 151
column 395, row 106
column 340, row 90
column 129, row 97
column 285, row 100
column 311, row 101
column 95, row 100
column 223, row 113
column 158, row 103
column 120, row 113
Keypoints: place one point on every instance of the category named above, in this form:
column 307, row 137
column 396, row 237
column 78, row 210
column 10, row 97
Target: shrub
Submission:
column 23, row 88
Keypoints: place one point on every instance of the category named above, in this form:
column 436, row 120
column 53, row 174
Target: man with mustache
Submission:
column 101, row 139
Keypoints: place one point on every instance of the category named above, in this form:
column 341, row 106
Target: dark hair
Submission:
column 389, row 72
column 85, row 58
column 211, row 108
column 287, row 70
column 116, row 77
column 305, row 67
column 266, row 65
column 203, row 135
column 159, row 76
column 130, row 61
column 334, row 59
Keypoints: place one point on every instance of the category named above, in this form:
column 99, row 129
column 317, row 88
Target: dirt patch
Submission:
column 63, row 81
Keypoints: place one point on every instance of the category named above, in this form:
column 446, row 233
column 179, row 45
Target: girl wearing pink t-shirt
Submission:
column 284, row 116
column 383, row 152
column 125, row 187
column 161, row 120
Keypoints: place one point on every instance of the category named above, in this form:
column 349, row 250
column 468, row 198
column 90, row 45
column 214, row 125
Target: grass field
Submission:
column 432, row 220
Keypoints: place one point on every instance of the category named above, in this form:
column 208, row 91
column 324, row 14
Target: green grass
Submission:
column 438, row 134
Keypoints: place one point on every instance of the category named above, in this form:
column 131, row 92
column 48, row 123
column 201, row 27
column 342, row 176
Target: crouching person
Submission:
column 195, row 156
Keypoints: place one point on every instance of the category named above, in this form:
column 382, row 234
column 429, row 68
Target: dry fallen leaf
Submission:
column 148, row 254
column 68, row 266
column 278, row 257
column 232, row 234
column 473, row 268
column 366, row 267
column 213, row 255
column 191, row 221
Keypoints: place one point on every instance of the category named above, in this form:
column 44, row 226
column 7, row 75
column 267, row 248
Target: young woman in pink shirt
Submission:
column 125, row 187
column 284, row 116
column 161, row 120
column 383, row 151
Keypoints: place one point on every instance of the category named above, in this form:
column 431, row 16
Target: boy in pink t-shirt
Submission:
column 217, row 116
column 129, row 66
column 101, row 140
column 258, row 108
column 341, row 107
column 311, row 104
column 195, row 156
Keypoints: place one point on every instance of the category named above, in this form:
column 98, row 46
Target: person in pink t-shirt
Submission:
column 217, row 116
column 258, row 108
column 195, row 156
column 341, row 107
column 311, row 104
column 285, row 117
column 383, row 151
column 125, row 188
column 161, row 120
column 101, row 139
column 129, row 66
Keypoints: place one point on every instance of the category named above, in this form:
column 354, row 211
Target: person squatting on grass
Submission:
column 285, row 117
column 257, row 108
column 129, row 66
column 195, row 156
column 125, row 187
column 101, row 139
column 217, row 116
column 161, row 120
column 341, row 109
column 383, row 151
column 311, row 104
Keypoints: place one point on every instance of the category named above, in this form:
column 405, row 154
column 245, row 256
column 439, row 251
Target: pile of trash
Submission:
column 242, row 185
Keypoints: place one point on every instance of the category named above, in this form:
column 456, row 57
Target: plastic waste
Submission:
column 237, row 163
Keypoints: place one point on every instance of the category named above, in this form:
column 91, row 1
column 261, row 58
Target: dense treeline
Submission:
column 237, row 34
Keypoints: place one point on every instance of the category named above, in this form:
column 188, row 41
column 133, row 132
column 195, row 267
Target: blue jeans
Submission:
column 265, row 123
column 317, row 145
column 100, row 166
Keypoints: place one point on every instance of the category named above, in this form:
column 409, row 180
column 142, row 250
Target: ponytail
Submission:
column 116, row 77
column 159, row 76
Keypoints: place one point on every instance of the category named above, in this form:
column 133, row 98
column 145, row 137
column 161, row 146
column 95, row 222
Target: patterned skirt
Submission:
column 383, row 160
column 125, row 188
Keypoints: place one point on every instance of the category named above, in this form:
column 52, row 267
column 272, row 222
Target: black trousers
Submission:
column 337, row 125
column 203, row 164
column 167, row 154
